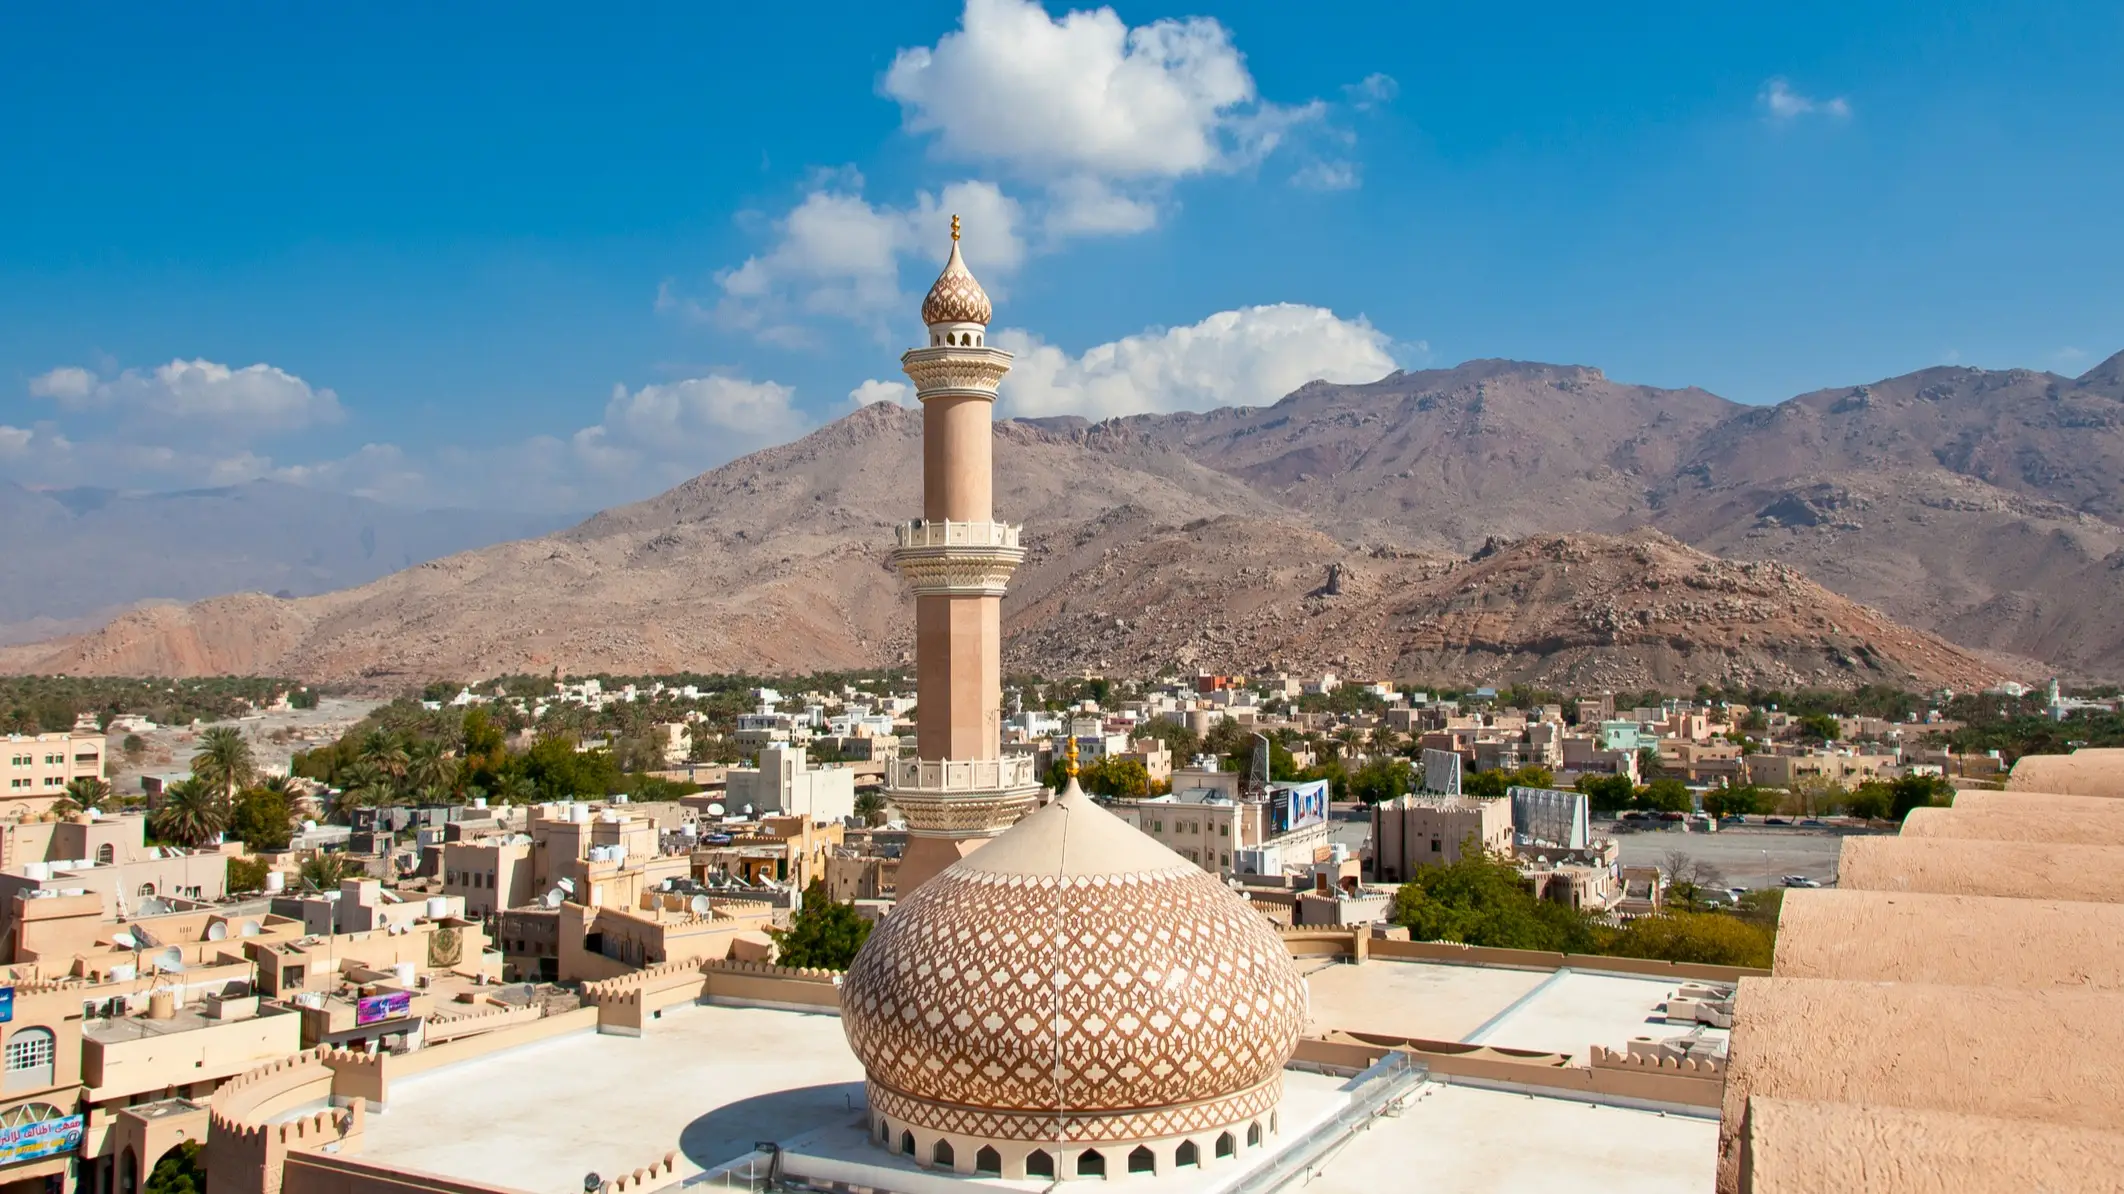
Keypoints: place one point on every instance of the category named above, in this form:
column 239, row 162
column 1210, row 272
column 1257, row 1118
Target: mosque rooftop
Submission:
column 709, row 1081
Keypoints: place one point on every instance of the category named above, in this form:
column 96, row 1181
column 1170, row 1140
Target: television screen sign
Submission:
column 374, row 1009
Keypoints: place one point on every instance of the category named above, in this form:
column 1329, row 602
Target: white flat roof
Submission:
column 1572, row 1011
column 706, row 1081
column 1464, row 1140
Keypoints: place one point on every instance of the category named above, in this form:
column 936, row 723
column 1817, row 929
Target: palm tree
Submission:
column 428, row 768
column 515, row 788
column 870, row 806
column 191, row 813
column 382, row 748
column 322, row 872
column 88, row 792
column 224, row 761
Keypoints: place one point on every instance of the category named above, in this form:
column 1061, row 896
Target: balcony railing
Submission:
column 944, row 533
column 963, row 775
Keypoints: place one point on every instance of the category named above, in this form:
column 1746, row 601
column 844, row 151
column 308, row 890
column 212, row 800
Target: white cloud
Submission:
column 837, row 254
column 15, row 441
column 1085, row 206
column 1251, row 356
column 258, row 398
column 898, row 393
column 1780, row 103
column 1372, row 91
column 1083, row 95
column 1326, row 176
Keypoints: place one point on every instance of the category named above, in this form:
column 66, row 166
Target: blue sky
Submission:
column 553, row 257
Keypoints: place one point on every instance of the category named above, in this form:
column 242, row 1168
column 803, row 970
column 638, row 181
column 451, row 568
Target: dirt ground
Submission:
column 274, row 737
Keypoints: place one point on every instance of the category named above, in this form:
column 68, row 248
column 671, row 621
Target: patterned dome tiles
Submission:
column 955, row 297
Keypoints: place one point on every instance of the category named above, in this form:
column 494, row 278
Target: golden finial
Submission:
column 1070, row 754
column 955, row 228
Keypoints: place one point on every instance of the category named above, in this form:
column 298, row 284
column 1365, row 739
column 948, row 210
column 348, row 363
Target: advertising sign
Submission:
column 371, row 1009
column 27, row 1142
column 1441, row 771
column 7, row 1004
column 1295, row 806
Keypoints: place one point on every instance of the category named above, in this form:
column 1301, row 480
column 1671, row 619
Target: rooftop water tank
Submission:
column 40, row 871
column 404, row 973
column 438, row 907
column 124, row 972
column 276, row 882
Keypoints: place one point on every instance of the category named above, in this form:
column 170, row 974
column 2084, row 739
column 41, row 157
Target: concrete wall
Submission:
column 317, row 1174
column 1611, row 1078
column 2100, row 824
column 2084, row 772
column 1957, row 866
column 1900, row 937
column 1312, row 942
column 1794, row 1146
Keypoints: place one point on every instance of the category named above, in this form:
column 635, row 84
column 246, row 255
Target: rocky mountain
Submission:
column 96, row 551
column 1146, row 544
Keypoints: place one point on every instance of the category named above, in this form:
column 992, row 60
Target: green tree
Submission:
column 870, row 807
column 1381, row 780
column 1705, row 937
column 823, row 935
column 247, row 875
column 1745, row 800
column 182, row 1170
column 1665, row 796
column 262, row 819
column 1480, row 900
column 1872, row 800
column 132, row 746
column 1818, row 727
column 1607, row 793
column 88, row 792
column 224, row 761
column 190, row 814
column 1918, row 791
column 1485, row 784
column 323, row 872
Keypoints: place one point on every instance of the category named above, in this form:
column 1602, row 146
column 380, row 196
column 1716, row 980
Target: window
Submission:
column 1434, row 845
column 106, row 854
column 988, row 1160
column 29, row 1059
column 1091, row 1163
column 907, row 1143
column 290, row 976
column 1142, row 1161
column 1226, row 1146
column 1253, row 1135
column 147, row 891
column 1186, row 1154
column 1039, row 1163
column 940, row 1153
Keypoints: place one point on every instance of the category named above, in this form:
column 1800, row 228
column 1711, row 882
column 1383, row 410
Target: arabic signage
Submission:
column 27, row 1142
column 7, row 1004
column 371, row 1009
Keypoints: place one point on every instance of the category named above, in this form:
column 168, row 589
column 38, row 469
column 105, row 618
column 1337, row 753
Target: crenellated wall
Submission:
column 1611, row 1077
column 1312, row 941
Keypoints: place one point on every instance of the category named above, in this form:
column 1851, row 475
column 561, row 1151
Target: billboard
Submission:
column 27, row 1142
column 371, row 1009
column 1441, row 771
column 1295, row 806
column 1549, row 817
column 7, row 1004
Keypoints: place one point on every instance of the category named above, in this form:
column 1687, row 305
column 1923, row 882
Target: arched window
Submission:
column 1142, row 1160
column 942, row 1154
column 1253, row 1135
column 988, row 1160
column 1187, row 1154
column 29, row 1059
column 147, row 891
column 1226, row 1146
column 106, row 854
column 884, row 1131
column 1091, row 1163
column 907, row 1143
column 1039, row 1164
column 979, row 339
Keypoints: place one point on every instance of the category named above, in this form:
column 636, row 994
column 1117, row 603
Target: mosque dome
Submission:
column 955, row 297
column 1074, row 982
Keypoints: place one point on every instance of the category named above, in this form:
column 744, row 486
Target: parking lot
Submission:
column 1748, row 856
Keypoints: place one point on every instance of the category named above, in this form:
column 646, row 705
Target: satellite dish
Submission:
column 217, row 931
column 715, row 810
column 125, row 940
column 170, row 961
column 248, row 928
column 700, row 905
column 554, row 898
column 153, row 907
column 567, row 885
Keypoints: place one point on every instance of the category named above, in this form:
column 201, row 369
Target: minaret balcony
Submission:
column 963, row 797
column 957, row 559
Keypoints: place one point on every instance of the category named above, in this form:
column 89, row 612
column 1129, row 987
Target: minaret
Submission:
column 959, row 791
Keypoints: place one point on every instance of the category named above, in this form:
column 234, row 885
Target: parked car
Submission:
column 1816, row 822
column 1673, row 816
column 1801, row 881
column 1733, row 819
column 1776, row 821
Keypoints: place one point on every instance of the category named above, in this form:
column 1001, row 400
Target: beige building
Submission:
column 490, row 875
column 101, row 856
column 1201, row 825
column 1419, row 831
column 786, row 781
column 35, row 768
column 1796, row 770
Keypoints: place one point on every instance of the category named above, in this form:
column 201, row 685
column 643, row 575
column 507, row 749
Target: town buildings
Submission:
column 36, row 768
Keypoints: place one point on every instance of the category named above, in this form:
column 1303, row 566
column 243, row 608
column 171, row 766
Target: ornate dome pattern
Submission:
column 1099, row 992
column 955, row 297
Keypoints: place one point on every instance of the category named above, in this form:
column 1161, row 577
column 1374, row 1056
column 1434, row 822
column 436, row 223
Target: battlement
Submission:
column 644, row 1178
column 1704, row 1067
column 736, row 966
